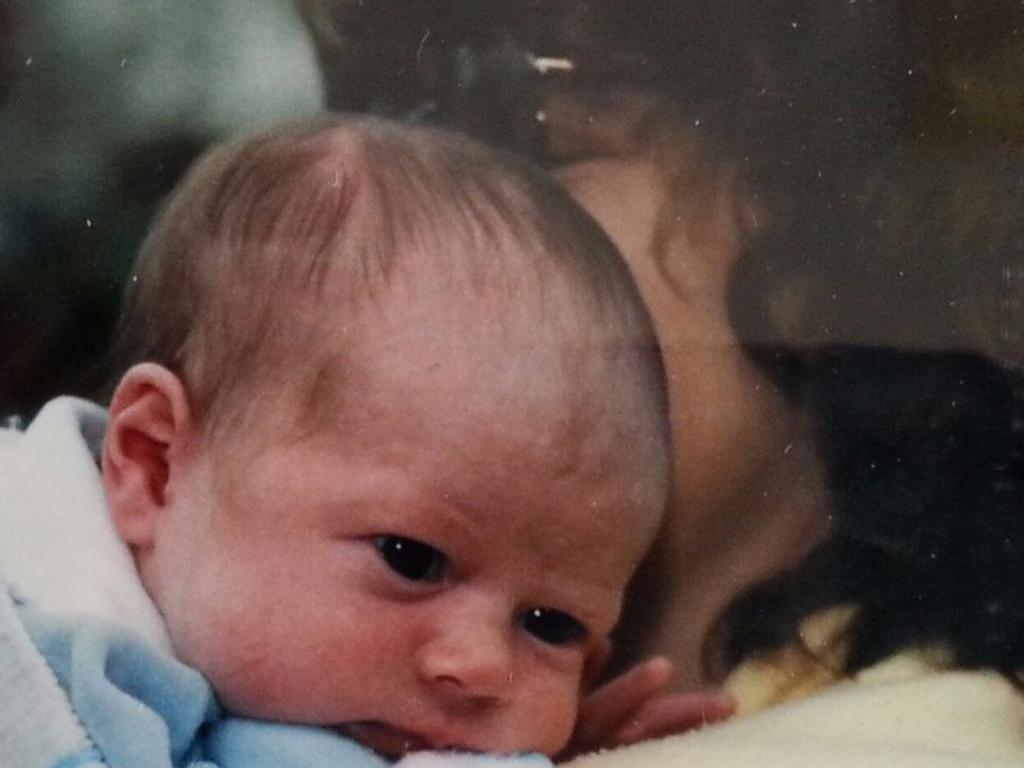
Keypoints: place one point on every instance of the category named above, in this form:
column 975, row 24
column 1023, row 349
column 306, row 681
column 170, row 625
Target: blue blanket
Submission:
column 92, row 693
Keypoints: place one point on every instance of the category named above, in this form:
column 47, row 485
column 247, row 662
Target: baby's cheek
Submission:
column 239, row 658
column 235, row 666
column 261, row 679
column 552, row 719
column 560, row 733
column 251, row 686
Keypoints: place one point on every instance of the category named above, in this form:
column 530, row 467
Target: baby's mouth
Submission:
column 386, row 740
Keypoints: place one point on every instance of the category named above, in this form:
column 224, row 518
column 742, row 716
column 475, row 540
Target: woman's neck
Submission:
column 708, row 557
column 750, row 499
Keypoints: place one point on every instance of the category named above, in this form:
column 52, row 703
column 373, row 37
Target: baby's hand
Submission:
column 636, row 706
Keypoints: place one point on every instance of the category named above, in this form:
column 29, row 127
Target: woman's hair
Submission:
column 802, row 101
column 837, row 118
column 882, row 142
column 775, row 84
column 925, row 453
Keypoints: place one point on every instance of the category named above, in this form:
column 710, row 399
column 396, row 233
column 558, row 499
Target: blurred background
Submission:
column 103, row 104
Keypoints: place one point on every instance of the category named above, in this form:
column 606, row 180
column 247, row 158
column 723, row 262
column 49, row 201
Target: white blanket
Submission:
column 57, row 544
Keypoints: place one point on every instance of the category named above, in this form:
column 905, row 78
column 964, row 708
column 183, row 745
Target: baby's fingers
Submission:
column 613, row 706
column 675, row 713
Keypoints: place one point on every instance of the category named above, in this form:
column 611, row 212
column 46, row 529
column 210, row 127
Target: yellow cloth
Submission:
column 794, row 672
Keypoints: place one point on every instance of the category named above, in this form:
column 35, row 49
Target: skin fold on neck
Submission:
column 697, row 571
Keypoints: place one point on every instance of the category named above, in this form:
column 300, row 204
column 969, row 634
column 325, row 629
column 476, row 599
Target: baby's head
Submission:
column 399, row 440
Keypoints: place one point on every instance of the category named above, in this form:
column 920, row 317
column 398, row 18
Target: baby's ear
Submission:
column 150, row 424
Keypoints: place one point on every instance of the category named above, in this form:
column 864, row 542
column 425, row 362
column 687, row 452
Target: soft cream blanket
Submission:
column 895, row 715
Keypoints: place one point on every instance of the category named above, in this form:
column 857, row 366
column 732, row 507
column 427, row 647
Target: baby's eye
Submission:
column 411, row 559
column 552, row 626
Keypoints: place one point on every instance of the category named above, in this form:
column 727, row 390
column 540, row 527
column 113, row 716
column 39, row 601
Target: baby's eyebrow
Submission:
column 597, row 608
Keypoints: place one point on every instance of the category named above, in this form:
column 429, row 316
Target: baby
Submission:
column 396, row 445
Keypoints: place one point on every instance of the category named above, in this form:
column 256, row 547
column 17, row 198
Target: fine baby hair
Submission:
column 270, row 232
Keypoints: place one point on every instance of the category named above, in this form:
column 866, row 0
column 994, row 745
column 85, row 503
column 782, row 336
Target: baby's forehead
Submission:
column 553, row 384
column 489, row 326
column 448, row 332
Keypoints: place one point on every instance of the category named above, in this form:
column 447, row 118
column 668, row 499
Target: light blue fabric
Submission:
column 37, row 727
column 90, row 757
column 237, row 743
column 143, row 709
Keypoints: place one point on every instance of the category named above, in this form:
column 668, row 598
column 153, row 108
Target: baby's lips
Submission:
column 387, row 740
column 394, row 742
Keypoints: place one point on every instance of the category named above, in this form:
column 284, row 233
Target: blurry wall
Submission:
column 103, row 103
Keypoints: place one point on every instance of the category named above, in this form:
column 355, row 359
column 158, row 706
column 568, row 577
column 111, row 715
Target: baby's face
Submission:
column 436, row 565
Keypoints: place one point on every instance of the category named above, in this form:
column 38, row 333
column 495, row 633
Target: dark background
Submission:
column 104, row 104
column 102, row 107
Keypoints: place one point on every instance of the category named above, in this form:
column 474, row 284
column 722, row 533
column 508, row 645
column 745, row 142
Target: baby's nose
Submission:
column 469, row 661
